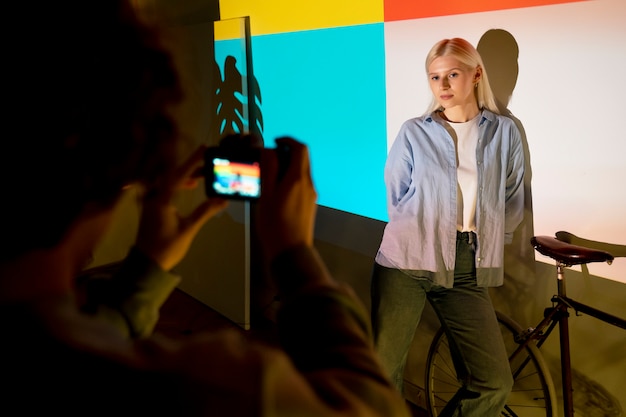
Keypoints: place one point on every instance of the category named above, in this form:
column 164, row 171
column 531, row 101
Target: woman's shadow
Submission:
column 499, row 51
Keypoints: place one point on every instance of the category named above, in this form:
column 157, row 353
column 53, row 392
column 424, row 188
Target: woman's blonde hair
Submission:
column 468, row 55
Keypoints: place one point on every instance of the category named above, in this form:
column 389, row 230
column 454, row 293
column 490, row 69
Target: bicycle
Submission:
column 533, row 391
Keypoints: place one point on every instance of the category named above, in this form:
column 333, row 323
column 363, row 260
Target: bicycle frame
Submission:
column 566, row 255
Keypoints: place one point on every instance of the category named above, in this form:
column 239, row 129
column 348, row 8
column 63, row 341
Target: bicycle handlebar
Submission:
column 568, row 253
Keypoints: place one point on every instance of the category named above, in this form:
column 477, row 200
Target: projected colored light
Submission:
column 403, row 9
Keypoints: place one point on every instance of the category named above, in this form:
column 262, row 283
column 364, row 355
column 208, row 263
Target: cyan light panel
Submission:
column 327, row 88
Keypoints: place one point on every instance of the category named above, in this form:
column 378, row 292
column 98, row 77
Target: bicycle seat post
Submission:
column 560, row 278
column 566, row 373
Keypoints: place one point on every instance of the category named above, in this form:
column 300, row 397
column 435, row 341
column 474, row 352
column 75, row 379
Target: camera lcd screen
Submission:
column 236, row 179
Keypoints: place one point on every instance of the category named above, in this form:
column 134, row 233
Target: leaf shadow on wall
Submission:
column 229, row 103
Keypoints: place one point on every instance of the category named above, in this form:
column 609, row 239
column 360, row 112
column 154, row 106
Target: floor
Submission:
column 183, row 315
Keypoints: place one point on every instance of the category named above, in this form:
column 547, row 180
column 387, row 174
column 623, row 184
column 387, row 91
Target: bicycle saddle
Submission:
column 612, row 248
column 567, row 253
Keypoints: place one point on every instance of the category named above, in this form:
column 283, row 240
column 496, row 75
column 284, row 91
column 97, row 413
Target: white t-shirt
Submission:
column 467, row 173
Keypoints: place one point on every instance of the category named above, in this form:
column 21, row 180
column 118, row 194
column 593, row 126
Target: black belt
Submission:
column 469, row 237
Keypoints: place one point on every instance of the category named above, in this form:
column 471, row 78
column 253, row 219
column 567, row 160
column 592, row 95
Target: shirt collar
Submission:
column 486, row 115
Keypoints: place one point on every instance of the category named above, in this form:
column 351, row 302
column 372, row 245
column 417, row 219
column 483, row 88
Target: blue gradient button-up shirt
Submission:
column 421, row 181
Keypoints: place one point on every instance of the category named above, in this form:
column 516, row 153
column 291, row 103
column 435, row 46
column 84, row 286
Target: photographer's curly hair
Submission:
column 89, row 91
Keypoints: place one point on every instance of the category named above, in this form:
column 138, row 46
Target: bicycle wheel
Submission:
column 533, row 392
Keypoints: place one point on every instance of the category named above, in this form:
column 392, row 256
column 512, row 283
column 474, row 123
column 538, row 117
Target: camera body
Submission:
column 233, row 168
column 233, row 172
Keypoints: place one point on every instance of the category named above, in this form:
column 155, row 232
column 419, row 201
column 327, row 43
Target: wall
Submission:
column 343, row 79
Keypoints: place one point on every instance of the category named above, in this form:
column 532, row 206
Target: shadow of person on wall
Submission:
column 499, row 51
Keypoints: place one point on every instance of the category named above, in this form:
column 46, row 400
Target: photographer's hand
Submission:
column 287, row 210
column 164, row 235
column 287, row 206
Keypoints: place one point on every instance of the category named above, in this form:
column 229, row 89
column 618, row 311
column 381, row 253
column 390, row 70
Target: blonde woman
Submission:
column 454, row 179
